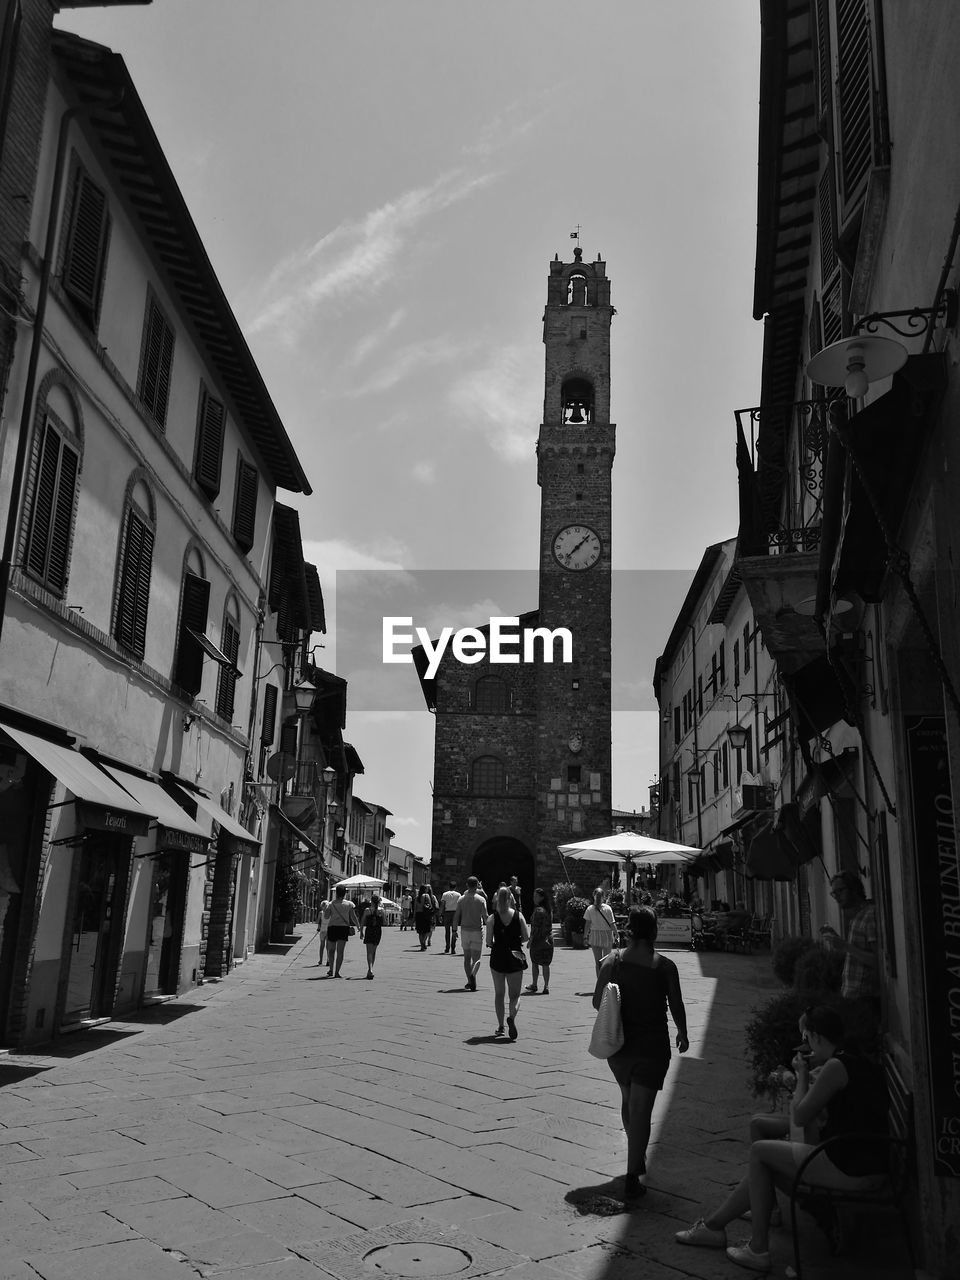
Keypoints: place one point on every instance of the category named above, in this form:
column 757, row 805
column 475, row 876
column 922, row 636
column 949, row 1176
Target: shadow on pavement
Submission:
column 10, row 1074
column 604, row 1199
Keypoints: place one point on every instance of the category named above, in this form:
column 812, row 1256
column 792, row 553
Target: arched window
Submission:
column 577, row 291
column 194, row 603
column 487, row 776
column 576, row 398
column 490, row 695
column 54, row 484
column 230, row 644
column 137, row 533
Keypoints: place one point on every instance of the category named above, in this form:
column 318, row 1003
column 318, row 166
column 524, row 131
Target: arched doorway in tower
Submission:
column 499, row 859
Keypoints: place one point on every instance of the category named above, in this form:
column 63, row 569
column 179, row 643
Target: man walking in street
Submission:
column 448, row 905
column 406, row 911
column 470, row 917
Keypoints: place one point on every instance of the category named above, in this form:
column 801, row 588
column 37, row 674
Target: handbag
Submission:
column 607, row 1035
column 520, row 958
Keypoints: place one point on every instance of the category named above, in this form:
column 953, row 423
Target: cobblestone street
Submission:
column 281, row 1125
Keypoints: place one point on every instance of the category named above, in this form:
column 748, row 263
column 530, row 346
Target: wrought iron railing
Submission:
column 791, row 440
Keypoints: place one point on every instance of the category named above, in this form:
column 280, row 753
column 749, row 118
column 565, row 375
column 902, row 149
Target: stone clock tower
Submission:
column 522, row 752
column 574, row 461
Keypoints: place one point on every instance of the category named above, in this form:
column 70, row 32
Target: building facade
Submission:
column 139, row 461
column 522, row 751
column 849, row 506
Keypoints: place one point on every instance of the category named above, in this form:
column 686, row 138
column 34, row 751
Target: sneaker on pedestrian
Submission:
column 546, row 991
column 633, row 1188
column 703, row 1236
column 512, row 1027
column 531, row 988
column 472, row 984
column 744, row 1256
column 499, row 1030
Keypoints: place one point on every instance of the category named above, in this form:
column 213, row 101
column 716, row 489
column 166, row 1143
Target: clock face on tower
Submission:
column 577, row 547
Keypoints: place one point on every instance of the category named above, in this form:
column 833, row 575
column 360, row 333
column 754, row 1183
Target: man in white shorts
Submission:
column 448, row 905
column 470, row 918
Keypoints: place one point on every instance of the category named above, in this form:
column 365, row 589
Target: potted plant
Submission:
column 285, row 898
column 573, row 922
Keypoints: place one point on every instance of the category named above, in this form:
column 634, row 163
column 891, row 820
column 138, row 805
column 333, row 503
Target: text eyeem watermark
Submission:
column 502, row 641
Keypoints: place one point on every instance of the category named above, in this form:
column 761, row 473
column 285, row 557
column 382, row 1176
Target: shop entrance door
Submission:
column 92, row 958
column 167, row 894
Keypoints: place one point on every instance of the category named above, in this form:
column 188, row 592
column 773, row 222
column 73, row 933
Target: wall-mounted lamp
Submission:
column 854, row 362
column 737, row 735
column 693, row 773
column 303, row 696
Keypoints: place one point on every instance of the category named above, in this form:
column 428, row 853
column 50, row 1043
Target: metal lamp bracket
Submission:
column 916, row 321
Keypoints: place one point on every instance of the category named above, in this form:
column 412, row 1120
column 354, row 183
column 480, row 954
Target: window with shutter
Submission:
column 723, row 663
column 156, row 362
column 490, row 694
column 269, row 723
column 85, row 254
column 288, row 738
column 51, row 516
column 188, row 671
column 746, row 648
column 245, row 505
column 9, row 44
column 227, row 680
column 209, row 455
column 858, row 106
column 736, row 664
column 133, row 595
column 676, row 724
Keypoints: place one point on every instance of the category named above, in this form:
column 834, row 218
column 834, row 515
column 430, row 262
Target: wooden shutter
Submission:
column 157, row 362
column 269, row 723
column 227, row 682
column 210, row 419
column 245, row 505
column 288, row 738
column 188, row 673
column 676, row 724
column 856, row 108
column 85, row 258
column 133, row 596
column 51, row 522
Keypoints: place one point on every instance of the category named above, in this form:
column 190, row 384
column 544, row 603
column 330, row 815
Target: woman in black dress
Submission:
column 506, row 933
column 541, row 941
column 423, row 916
column 371, row 930
column 648, row 983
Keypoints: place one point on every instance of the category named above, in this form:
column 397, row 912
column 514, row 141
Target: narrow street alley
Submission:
column 281, row 1125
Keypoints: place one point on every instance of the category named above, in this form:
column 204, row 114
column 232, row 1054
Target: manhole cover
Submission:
column 601, row 1206
column 418, row 1258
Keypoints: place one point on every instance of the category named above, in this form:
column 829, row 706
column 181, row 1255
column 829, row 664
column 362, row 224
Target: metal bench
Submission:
column 890, row 1194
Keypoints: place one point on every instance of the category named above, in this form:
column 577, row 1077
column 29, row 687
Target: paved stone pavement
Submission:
column 281, row 1125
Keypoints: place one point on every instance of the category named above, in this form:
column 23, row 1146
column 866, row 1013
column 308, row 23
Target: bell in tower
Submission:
column 576, row 397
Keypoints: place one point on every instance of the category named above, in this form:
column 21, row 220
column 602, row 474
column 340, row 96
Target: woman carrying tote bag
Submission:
column 648, row 983
column 600, row 928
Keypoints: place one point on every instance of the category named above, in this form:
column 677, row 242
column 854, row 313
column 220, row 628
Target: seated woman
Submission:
column 850, row 1091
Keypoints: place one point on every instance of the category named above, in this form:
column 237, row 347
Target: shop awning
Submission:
column 295, row 831
column 220, row 816
column 117, row 809
column 177, row 828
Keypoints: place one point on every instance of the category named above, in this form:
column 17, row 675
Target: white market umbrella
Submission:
column 629, row 848
column 360, row 882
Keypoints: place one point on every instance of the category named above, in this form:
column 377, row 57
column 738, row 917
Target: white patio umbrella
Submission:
column 629, row 848
column 359, row 882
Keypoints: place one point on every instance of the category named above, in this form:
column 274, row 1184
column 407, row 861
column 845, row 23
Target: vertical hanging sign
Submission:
column 938, row 882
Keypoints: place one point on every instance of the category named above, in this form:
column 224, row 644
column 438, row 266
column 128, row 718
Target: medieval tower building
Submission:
column 522, row 751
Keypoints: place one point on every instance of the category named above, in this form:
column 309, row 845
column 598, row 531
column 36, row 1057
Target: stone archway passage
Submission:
column 501, row 858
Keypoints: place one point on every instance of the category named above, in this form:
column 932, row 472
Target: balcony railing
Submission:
column 791, row 441
column 305, row 780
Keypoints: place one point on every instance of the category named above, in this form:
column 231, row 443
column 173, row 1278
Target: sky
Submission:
column 380, row 186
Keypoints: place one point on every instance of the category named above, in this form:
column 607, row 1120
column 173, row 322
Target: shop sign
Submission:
column 98, row 817
column 938, row 883
column 170, row 839
column 673, row 931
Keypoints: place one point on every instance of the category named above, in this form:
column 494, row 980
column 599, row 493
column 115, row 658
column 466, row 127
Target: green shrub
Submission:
column 573, row 918
column 771, row 1035
column 817, row 970
column 786, row 954
column 615, row 899
column 562, row 893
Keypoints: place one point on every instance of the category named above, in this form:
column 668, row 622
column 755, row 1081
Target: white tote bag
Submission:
column 607, row 1036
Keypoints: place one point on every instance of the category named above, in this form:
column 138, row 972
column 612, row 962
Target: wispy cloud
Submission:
column 335, row 554
column 425, row 472
column 502, row 397
column 415, row 356
column 371, row 341
column 357, row 257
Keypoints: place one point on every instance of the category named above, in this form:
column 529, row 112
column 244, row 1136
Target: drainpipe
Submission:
column 46, row 271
